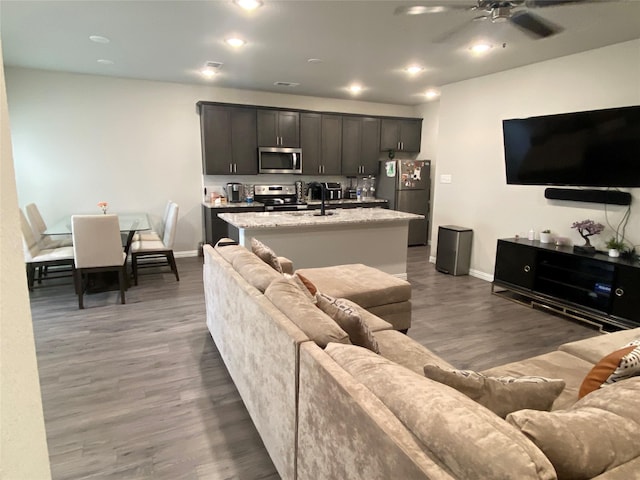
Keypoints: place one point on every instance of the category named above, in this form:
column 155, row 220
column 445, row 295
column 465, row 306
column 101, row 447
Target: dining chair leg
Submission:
column 134, row 268
column 172, row 261
column 77, row 275
column 121, row 284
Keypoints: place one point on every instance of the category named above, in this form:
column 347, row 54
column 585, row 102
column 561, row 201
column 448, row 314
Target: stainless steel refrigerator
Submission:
column 406, row 184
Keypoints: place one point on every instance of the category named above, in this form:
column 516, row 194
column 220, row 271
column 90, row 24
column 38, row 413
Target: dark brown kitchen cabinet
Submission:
column 401, row 135
column 321, row 142
column 229, row 143
column 360, row 145
column 278, row 128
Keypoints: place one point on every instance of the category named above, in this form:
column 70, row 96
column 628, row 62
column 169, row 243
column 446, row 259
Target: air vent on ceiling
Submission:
column 213, row 64
column 286, row 84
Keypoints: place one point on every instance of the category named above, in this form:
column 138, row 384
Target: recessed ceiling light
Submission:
column 286, row 84
column 480, row 48
column 248, row 5
column 210, row 69
column 413, row 69
column 431, row 94
column 99, row 39
column 235, row 42
column 355, row 89
column 314, row 60
column 104, row 61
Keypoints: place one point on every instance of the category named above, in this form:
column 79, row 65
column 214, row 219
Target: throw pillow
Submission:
column 349, row 320
column 295, row 279
column 266, row 254
column 619, row 365
column 501, row 395
column 596, row 434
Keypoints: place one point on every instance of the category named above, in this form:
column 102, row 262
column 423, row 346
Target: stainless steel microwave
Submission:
column 279, row 160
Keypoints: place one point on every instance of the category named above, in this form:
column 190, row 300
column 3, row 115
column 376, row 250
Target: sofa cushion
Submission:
column 616, row 366
column 348, row 318
column 405, row 351
column 367, row 286
column 501, row 395
column 265, row 254
column 288, row 298
column 599, row 432
column 593, row 349
column 471, row 441
column 229, row 249
column 553, row 364
column 253, row 270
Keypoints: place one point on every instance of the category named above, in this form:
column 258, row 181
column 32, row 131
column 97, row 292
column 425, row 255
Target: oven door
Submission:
column 279, row 160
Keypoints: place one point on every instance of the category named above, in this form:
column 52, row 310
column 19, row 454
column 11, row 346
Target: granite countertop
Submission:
column 310, row 218
column 233, row 205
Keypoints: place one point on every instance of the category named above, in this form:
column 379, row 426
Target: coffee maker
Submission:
column 234, row 192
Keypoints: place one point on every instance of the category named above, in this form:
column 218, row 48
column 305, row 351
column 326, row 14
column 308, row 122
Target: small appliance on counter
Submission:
column 333, row 191
column 278, row 197
column 351, row 192
column 234, row 192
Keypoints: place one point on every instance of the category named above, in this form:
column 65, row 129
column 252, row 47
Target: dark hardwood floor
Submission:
column 138, row 391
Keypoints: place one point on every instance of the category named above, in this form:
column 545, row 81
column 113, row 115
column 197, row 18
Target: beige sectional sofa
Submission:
column 326, row 409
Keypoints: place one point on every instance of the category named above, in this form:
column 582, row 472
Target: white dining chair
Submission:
column 157, row 234
column 97, row 247
column 157, row 252
column 39, row 226
column 36, row 257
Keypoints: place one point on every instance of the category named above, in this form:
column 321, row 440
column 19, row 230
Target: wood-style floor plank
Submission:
column 139, row 391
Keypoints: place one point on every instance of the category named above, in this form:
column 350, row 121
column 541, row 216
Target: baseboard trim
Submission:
column 186, row 253
column 474, row 273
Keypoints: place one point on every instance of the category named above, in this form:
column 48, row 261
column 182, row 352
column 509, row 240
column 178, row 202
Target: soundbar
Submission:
column 611, row 197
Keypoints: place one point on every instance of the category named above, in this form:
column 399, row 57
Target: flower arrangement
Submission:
column 587, row 228
column 103, row 206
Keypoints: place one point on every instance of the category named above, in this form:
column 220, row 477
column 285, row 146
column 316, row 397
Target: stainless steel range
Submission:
column 278, row 197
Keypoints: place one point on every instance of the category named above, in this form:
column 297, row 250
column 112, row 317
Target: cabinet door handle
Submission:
column 235, row 168
column 231, row 168
column 619, row 292
column 527, row 268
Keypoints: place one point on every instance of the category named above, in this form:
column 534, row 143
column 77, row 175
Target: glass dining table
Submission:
column 130, row 223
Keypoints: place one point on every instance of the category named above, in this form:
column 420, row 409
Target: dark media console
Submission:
column 593, row 288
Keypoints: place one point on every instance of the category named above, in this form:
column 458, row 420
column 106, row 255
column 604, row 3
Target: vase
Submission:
column 614, row 252
column 546, row 238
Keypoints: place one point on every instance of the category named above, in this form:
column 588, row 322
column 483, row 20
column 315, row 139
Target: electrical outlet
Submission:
column 446, row 178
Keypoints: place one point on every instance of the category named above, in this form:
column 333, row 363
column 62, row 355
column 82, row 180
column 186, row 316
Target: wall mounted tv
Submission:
column 598, row 148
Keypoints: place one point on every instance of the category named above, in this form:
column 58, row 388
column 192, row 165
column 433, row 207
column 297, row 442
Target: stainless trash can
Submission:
column 454, row 250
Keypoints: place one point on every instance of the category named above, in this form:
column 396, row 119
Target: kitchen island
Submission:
column 373, row 236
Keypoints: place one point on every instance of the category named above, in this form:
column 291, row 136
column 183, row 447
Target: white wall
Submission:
column 23, row 442
column 81, row 139
column 470, row 147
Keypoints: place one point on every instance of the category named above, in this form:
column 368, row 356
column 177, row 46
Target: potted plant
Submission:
column 587, row 228
column 545, row 236
column 615, row 246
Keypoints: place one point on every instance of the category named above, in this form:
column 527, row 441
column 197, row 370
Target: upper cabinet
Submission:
column 402, row 135
column 278, row 128
column 321, row 143
column 360, row 145
column 228, row 140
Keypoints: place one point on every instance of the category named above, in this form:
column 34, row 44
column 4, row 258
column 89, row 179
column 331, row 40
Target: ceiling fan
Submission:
column 516, row 12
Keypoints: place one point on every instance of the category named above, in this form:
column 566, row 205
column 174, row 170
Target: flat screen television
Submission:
column 598, row 148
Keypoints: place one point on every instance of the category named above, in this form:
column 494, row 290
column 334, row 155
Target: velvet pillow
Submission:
column 597, row 433
column 618, row 365
column 297, row 281
column 307, row 283
column 266, row 254
column 349, row 320
column 501, row 395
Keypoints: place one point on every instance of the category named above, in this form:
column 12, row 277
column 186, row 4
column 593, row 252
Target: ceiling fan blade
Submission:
column 534, row 25
column 555, row 3
column 435, row 7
